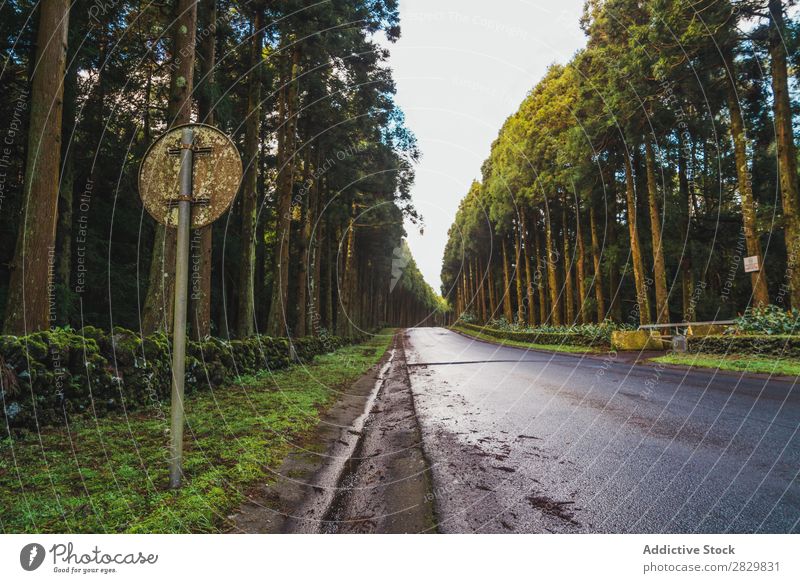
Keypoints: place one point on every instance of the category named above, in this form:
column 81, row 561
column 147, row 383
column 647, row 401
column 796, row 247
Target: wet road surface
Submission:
column 524, row 441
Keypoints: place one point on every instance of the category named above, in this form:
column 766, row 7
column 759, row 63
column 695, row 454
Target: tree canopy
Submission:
column 306, row 94
column 633, row 180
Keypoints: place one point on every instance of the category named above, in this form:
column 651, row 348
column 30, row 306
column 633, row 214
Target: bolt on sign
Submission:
column 751, row 264
column 188, row 178
column 216, row 174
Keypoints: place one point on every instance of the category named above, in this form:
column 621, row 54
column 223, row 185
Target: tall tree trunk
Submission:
column 540, row 277
column 758, row 279
column 659, row 269
column 345, row 317
column 687, row 279
column 27, row 307
column 787, row 154
column 482, row 284
column 580, row 269
column 598, row 269
column 507, row 310
column 518, row 274
column 552, row 279
column 319, row 248
column 569, row 292
column 470, row 297
column 316, row 248
column 614, row 278
column 280, row 293
column 303, row 246
column 636, row 251
column 159, row 301
column 67, row 182
column 491, row 289
column 528, row 280
column 200, row 308
column 245, row 320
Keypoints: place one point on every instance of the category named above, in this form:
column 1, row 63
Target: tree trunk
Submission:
column 329, row 279
column 280, row 294
column 569, row 292
column 200, row 308
column 28, row 303
column 757, row 278
column 687, row 279
column 787, row 155
column 540, row 276
column 507, row 310
column 67, row 183
column 482, row 288
column 316, row 248
column 659, row 269
column 245, row 320
column 491, row 289
column 345, row 317
column 518, row 276
column 304, row 237
column 528, row 281
column 159, row 301
column 552, row 279
column 580, row 269
column 598, row 270
column 614, row 278
column 642, row 300
column 319, row 243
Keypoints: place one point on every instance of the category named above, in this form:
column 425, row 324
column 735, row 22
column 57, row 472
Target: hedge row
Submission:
column 751, row 344
column 47, row 376
column 573, row 338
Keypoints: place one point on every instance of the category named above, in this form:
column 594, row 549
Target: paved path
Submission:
column 523, row 441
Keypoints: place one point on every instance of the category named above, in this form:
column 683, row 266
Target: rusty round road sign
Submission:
column 217, row 172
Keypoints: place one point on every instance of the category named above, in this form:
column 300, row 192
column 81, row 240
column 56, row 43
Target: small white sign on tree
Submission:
column 751, row 264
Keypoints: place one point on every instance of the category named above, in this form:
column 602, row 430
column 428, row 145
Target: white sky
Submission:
column 462, row 67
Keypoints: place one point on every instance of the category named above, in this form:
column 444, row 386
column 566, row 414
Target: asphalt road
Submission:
column 524, row 441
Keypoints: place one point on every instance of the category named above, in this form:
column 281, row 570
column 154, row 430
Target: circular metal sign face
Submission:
column 216, row 174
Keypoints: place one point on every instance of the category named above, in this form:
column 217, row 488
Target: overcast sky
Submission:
column 462, row 67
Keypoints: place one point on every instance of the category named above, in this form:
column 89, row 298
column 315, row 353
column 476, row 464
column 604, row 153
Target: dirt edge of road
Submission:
column 361, row 470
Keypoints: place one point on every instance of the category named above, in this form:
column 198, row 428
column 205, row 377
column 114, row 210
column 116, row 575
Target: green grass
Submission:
column 110, row 474
column 549, row 347
column 735, row 362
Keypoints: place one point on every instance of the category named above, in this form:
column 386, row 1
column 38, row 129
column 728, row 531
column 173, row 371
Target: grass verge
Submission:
column 735, row 362
column 548, row 347
column 110, row 474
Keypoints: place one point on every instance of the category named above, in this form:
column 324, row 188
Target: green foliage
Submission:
column 769, row 320
column 735, row 362
column 110, row 473
column 411, row 281
column 591, row 337
column 51, row 376
column 468, row 318
column 775, row 345
column 650, row 73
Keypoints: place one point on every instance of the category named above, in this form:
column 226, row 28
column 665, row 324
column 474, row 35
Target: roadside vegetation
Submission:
column 519, row 344
column 110, row 474
column 735, row 362
column 633, row 179
column 575, row 339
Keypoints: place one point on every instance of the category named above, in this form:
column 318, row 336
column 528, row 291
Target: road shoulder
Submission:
column 361, row 470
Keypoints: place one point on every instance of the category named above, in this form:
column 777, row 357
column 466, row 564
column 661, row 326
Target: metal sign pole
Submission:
column 208, row 173
column 181, row 298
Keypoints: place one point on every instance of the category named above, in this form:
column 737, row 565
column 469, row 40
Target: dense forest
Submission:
column 633, row 181
column 314, row 239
